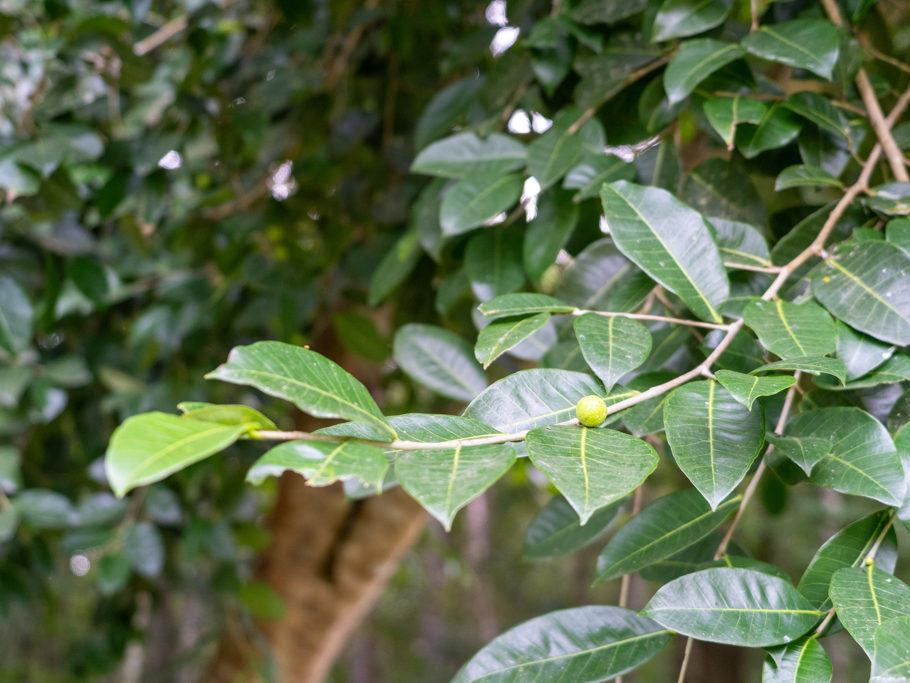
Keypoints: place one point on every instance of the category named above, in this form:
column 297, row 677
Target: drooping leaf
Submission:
column 746, row 388
column 445, row 480
column 665, row 527
column 226, row 415
column 594, row 171
column 307, row 379
column 582, row 644
column 322, row 463
column 505, row 333
column 440, row 360
column 555, row 152
column 868, row 287
column 556, row 530
column 556, row 217
column 802, row 661
column 733, row 606
column 860, row 353
column 670, row 242
column 865, row 598
column 680, row 18
column 612, row 345
column 721, row 189
column 16, row 316
column 600, row 278
column 476, row 199
column 777, row 128
column 522, row 304
column 890, row 657
column 810, row 44
column 590, row 467
column 465, row 154
column 791, row 330
column 805, row 451
column 803, row 175
column 149, row 447
column 811, row 364
column 725, row 113
column 848, row 548
column 144, row 548
column 696, row 60
column 821, row 111
column 493, row 263
column 714, row 439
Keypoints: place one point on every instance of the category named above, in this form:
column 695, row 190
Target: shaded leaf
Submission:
column 612, row 345
column 144, row 548
column 476, row 199
column 599, row 278
column 465, row 154
column 322, row 463
column 522, row 304
column 594, row 171
column 810, row 44
column 556, row 217
column 777, row 128
column 493, row 262
column 859, row 352
column 440, row 360
column 394, row 267
column 555, row 152
column 16, row 316
column 725, row 113
column 556, row 530
column 680, row 18
column 819, row 110
column 226, row 415
column 746, row 388
column 505, row 333
column 740, row 243
column 811, row 364
column 805, row 451
column 720, row 189
column 695, row 61
column 803, row 175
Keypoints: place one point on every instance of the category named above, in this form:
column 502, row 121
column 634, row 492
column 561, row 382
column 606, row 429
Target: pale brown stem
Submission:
column 685, row 662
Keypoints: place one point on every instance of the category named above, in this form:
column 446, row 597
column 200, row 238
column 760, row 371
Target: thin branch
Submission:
column 648, row 316
column 168, row 30
column 685, row 662
column 881, row 56
column 627, row 578
column 753, row 9
column 757, row 269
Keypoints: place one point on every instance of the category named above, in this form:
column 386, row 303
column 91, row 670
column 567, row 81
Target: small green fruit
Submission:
column 591, row 411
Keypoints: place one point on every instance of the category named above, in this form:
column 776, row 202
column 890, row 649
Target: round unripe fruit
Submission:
column 591, row 411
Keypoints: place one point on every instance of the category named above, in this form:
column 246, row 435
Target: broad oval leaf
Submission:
column 714, row 439
column 476, row 199
column 895, row 369
column 556, row 530
column 149, row 447
column 680, row 18
column 492, row 262
column 532, row 398
column 582, row 644
column 746, row 388
column 733, row 606
column 859, row 352
column 865, row 598
column 868, row 287
column 594, row 171
column 548, row 232
column 322, row 463
column 555, row 152
column 465, row 154
column 811, row 364
column 804, row 175
column 612, row 345
column 666, row 526
column 669, row 241
column 590, row 467
column 777, row 128
column 791, row 330
column 810, row 44
column 724, row 113
column 802, row 661
column 505, row 333
column 522, row 304
column 722, row 189
column 821, row 111
column 891, row 658
column 307, row 379
column 695, row 61
column 599, row 279
column 440, row 360
column 740, row 244
column 16, row 316
column 445, row 480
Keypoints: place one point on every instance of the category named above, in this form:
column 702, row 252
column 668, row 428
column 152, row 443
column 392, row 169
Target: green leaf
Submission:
column 733, row 606
column 860, row 353
column 492, row 262
column 895, row 369
column 435, row 428
column 307, row 379
column 9, row 523
column 725, row 113
column 810, row 44
column 594, row 171
column 440, row 360
column 803, row 175
column 670, row 242
column 590, row 467
column 890, row 658
column 665, row 527
column 897, row 232
column 848, row 548
column 598, row 277
column 151, row 446
column 714, row 439
column 777, row 128
column 600, row 12
column 891, row 199
column 532, row 398
column 791, row 330
column 819, row 110
column 17, row 316
column 394, row 267
column 556, row 530
column 505, row 333
column 445, row 109
column 322, row 463
column 226, row 415
column 802, row 661
column 865, row 598
column 680, row 18
column 868, row 287
column 582, row 644
column 446, row 480
column 476, row 199
column 556, row 217
column 721, row 189
column 144, row 548
column 465, row 154
column 555, row 152
column 861, row 458
column 509, row 305
column 647, row 417
column 747, row 388
column 740, row 243
column 805, row 451
column 810, row 364
column 612, row 345
column 695, row 61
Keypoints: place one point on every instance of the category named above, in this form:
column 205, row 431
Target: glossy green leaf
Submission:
column 868, row 287
column 733, row 606
column 465, row 154
column 746, row 388
column 647, row 417
column 582, row 644
column 523, row 304
column 16, row 316
column 322, row 463
column 777, row 128
column 445, row 480
column 805, row 451
column 532, row 398
column 665, row 527
column 802, row 661
column 151, row 446
column 791, row 330
column 505, row 333
column 819, row 110
column 695, row 61
column 226, row 415
column 394, row 267
column 434, row 428
column 612, row 345
column 721, row 189
column 599, row 12
column 590, row 467
column 594, row 171
column 810, row 44
column 803, row 175
column 440, row 360
column 848, row 548
column 556, row 530
column 740, row 243
column 556, row 218
column 861, row 459
column 598, row 278
column 811, row 364
column 890, row 657
column 476, row 199
column 714, row 439
column 895, row 369
column 680, row 18
column 493, row 262
column 859, row 352
column 865, row 598
column 307, row 379
column 557, row 151
column 670, row 242
column 725, row 113
column 897, row 231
